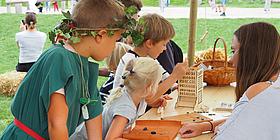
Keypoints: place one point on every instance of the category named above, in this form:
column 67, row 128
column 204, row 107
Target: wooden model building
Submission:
column 190, row 88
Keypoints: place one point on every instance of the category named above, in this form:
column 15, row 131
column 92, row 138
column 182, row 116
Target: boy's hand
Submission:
column 180, row 70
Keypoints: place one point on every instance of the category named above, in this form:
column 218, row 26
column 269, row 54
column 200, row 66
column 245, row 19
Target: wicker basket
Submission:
column 222, row 72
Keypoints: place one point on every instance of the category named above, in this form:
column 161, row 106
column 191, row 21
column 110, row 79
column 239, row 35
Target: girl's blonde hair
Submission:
column 139, row 73
column 113, row 60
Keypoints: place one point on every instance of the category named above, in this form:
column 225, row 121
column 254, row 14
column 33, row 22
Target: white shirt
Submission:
column 121, row 67
column 30, row 45
column 255, row 119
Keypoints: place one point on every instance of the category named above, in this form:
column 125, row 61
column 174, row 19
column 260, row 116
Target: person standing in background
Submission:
column 267, row 5
column 48, row 9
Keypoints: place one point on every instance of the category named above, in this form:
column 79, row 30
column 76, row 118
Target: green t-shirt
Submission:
column 56, row 68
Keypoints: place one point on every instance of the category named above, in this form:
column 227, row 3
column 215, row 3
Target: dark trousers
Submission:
column 24, row 67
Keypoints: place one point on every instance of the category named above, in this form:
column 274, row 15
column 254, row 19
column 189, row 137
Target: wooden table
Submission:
column 211, row 97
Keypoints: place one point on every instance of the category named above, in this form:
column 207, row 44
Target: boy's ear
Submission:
column 149, row 43
column 102, row 32
column 100, row 35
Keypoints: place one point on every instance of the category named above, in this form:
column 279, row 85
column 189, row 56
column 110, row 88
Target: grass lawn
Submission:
column 5, row 114
column 9, row 53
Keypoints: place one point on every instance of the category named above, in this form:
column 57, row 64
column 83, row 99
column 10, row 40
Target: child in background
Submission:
column 127, row 102
column 158, row 32
column 112, row 62
column 55, row 5
column 59, row 92
column 47, row 5
column 39, row 5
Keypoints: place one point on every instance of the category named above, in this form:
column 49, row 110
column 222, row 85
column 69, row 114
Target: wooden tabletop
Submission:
column 210, row 98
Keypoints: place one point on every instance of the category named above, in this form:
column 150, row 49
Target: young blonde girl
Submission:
column 127, row 102
column 112, row 62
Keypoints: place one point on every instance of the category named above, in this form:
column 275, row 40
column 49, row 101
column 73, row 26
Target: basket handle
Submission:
column 225, row 47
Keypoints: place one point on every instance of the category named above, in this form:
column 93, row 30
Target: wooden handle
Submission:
column 225, row 47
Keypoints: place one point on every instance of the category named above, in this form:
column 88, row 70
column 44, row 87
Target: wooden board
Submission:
column 154, row 130
column 191, row 117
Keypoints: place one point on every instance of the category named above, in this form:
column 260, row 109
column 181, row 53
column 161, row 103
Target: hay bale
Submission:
column 10, row 81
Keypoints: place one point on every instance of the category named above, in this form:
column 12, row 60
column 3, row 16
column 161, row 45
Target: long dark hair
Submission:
column 259, row 55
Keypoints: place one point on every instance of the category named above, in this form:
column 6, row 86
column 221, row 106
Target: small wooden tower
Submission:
column 190, row 88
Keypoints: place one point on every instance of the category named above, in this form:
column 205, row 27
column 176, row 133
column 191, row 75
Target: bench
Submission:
column 18, row 5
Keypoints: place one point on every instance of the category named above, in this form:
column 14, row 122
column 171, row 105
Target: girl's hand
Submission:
column 160, row 102
column 167, row 97
column 191, row 130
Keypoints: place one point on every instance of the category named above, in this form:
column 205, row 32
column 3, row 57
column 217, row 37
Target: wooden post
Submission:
column 192, row 31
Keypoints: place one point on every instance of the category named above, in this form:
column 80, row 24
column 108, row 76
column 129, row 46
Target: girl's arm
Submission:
column 195, row 129
column 94, row 128
column 117, row 128
column 57, row 117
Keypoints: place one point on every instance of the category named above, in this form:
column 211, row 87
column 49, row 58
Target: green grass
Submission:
column 5, row 113
column 9, row 53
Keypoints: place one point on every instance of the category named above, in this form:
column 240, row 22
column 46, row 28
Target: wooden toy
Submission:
column 190, row 88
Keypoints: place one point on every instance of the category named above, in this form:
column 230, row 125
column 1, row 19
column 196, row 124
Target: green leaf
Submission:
column 131, row 10
column 137, row 38
column 52, row 36
column 125, row 34
column 67, row 35
column 141, row 21
column 75, row 39
column 61, row 42
column 110, row 33
column 93, row 33
column 66, row 14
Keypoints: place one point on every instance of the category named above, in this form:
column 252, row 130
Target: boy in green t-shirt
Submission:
column 59, row 92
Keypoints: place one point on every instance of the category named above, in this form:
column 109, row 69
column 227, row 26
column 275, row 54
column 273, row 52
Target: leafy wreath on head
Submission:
column 67, row 29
